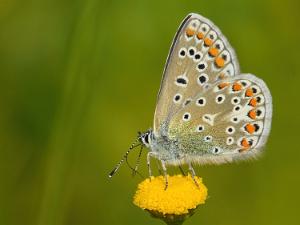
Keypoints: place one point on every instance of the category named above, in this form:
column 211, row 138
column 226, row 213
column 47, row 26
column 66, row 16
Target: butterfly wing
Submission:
column 230, row 120
column 200, row 55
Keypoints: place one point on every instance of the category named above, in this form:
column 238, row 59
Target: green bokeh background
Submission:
column 78, row 79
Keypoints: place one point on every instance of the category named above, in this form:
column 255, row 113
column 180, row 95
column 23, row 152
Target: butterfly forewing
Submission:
column 200, row 56
column 230, row 120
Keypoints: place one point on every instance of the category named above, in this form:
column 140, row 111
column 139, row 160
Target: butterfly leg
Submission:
column 137, row 162
column 163, row 164
column 149, row 155
column 191, row 169
column 158, row 167
column 181, row 170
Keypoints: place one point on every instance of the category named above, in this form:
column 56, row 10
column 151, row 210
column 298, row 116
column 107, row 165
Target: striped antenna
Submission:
column 123, row 158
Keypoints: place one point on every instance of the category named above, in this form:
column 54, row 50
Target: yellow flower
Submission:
column 177, row 202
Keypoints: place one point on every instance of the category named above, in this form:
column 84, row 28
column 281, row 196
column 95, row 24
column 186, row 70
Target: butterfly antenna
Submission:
column 123, row 158
column 137, row 162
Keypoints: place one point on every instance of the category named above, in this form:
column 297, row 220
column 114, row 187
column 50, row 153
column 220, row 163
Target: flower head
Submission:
column 177, row 202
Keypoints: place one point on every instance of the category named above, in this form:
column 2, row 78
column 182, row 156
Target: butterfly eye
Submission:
column 146, row 138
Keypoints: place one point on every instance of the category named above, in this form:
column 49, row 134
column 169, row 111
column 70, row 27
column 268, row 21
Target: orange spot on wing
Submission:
column 250, row 128
column 189, row 32
column 246, row 145
column 249, row 92
column 200, row 35
column 252, row 114
column 219, row 62
column 208, row 42
column 223, row 85
column 253, row 102
column 213, row 52
column 236, row 87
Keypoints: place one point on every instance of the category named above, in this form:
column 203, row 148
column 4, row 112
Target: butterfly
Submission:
column 207, row 112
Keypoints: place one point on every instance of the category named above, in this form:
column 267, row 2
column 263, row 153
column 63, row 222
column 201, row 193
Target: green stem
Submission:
column 174, row 222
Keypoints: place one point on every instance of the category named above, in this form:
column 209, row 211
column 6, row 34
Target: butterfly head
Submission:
column 145, row 138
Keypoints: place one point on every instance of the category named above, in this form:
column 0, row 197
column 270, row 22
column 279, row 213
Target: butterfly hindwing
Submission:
column 230, row 120
column 200, row 55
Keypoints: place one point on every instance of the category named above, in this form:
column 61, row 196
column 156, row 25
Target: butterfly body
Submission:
column 164, row 148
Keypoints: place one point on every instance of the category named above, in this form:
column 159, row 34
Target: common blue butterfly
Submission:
column 207, row 111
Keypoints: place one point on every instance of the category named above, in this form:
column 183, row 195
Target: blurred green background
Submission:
column 78, row 79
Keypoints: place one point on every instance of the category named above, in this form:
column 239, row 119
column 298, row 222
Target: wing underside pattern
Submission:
column 231, row 119
column 200, row 56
